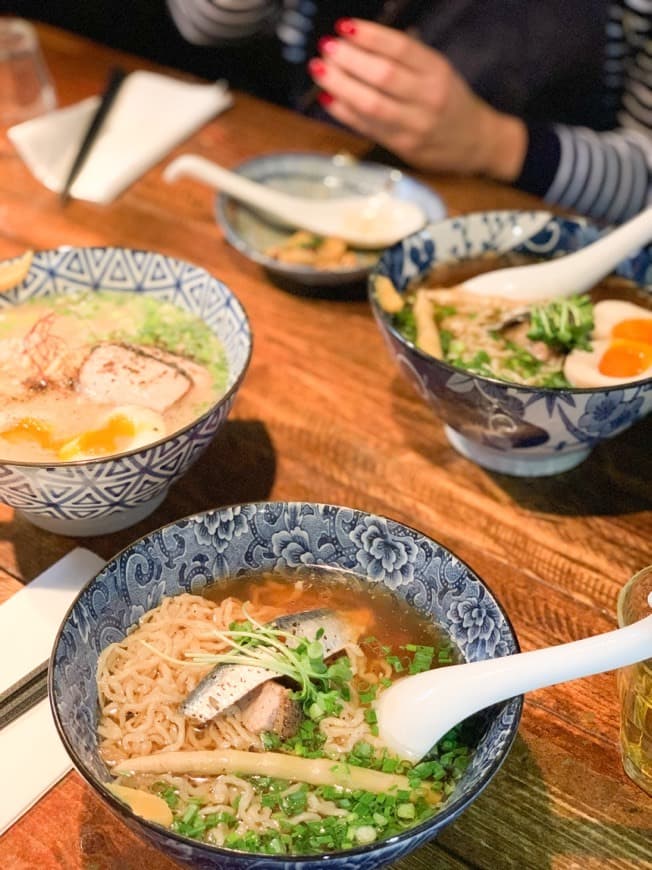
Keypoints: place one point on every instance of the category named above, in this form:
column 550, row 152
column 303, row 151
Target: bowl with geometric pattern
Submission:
column 103, row 494
column 504, row 426
column 215, row 547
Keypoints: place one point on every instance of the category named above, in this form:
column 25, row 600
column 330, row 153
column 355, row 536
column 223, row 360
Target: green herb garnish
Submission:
column 563, row 324
column 405, row 323
column 321, row 687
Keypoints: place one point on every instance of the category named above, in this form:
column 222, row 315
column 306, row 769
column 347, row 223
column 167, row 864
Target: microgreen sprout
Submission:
column 322, row 687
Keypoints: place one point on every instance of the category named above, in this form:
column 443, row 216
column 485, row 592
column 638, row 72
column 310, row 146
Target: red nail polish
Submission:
column 346, row 27
column 327, row 45
column 317, row 67
column 325, row 99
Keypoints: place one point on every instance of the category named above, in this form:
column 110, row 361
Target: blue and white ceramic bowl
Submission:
column 189, row 554
column 89, row 497
column 518, row 430
column 322, row 177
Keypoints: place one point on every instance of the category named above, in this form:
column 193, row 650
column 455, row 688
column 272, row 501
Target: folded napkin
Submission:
column 152, row 113
column 32, row 758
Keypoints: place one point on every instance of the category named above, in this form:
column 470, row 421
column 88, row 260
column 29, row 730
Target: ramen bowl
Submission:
column 506, row 427
column 189, row 554
column 320, row 177
column 96, row 496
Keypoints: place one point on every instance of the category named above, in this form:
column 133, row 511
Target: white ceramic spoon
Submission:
column 574, row 273
column 374, row 221
column 415, row 712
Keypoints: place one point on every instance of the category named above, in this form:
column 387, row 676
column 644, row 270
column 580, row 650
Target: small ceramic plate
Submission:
column 324, row 177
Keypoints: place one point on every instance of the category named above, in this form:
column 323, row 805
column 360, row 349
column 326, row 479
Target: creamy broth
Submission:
column 96, row 373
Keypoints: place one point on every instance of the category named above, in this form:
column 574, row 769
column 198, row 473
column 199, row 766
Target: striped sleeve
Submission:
column 605, row 175
column 209, row 22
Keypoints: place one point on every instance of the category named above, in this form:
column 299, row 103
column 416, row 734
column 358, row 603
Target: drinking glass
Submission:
column 26, row 89
column 635, row 686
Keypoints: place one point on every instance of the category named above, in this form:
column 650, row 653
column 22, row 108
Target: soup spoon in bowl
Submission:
column 415, row 712
column 375, row 221
column 564, row 276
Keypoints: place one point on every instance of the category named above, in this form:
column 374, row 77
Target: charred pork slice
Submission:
column 270, row 708
column 121, row 375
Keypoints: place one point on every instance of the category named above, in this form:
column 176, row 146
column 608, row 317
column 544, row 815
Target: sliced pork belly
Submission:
column 122, row 375
column 270, row 708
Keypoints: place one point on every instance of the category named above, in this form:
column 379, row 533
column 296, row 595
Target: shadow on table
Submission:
column 350, row 291
column 615, row 479
column 239, row 465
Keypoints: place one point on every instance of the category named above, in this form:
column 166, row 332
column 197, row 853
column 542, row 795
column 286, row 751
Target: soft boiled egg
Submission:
column 621, row 347
column 126, row 427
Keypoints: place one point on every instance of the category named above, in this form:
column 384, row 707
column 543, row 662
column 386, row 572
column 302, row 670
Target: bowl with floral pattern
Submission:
column 504, row 426
column 81, row 497
column 207, row 548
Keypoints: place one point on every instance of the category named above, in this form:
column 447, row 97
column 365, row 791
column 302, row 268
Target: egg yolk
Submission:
column 119, row 431
column 30, row 429
column 635, row 329
column 99, row 442
column 624, row 359
column 630, row 351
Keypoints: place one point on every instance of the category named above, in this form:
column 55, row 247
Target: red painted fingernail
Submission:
column 327, row 45
column 317, row 67
column 345, row 27
column 325, row 99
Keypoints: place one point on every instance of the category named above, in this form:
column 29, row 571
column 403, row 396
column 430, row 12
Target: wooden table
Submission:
column 324, row 416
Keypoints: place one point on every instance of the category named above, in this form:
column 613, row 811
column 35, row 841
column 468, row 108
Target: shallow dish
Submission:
column 506, row 427
column 189, row 554
column 96, row 496
column 307, row 174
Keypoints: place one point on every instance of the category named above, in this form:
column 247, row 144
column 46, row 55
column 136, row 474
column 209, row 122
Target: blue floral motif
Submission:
column 609, row 412
column 82, row 623
column 385, row 557
column 453, row 574
column 551, row 399
column 408, row 259
column 472, row 623
column 292, row 548
column 153, row 598
column 220, row 528
column 228, row 541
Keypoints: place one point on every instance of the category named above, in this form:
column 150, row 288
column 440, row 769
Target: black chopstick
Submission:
column 115, row 79
column 23, row 694
column 388, row 15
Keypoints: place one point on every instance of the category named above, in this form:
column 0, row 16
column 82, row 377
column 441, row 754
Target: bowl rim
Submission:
column 223, row 399
column 296, row 270
column 426, row 232
column 435, row 822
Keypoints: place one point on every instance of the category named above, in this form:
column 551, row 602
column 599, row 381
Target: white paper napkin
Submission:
column 32, row 757
column 152, row 113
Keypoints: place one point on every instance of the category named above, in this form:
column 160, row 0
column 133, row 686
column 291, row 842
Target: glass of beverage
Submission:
column 26, row 89
column 635, row 686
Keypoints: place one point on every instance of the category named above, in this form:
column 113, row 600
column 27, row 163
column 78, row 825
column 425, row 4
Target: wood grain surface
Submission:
column 324, row 416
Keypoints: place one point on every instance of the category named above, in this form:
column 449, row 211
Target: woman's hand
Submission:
column 408, row 98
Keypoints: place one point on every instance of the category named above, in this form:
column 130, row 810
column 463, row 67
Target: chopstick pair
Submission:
column 24, row 694
column 388, row 15
column 116, row 77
